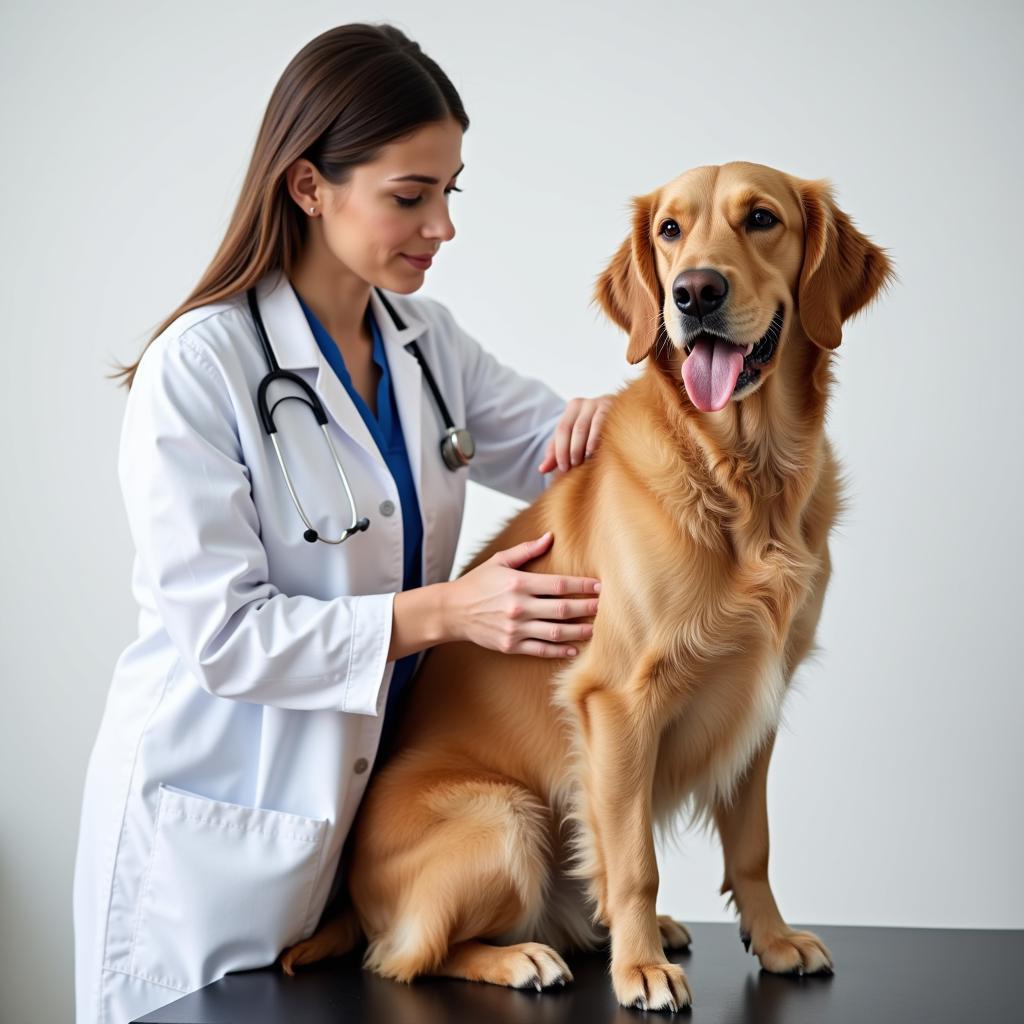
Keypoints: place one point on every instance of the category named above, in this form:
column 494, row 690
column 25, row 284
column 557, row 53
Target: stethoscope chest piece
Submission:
column 457, row 447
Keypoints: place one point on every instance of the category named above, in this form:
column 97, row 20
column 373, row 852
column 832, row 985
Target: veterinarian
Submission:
column 292, row 566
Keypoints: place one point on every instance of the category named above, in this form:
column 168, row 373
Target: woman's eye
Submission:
column 763, row 219
column 669, row 229
column 414, row 200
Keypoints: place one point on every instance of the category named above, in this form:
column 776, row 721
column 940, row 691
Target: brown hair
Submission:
column 345, row 95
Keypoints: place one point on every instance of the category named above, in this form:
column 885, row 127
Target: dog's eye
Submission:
column 763, row 219
column 669, row 229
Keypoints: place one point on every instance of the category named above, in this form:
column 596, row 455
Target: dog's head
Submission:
column 738, row 261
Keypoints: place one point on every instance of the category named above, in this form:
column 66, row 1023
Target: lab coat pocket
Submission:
column 227, row 887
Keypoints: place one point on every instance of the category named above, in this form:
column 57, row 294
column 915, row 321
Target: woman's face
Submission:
column 391, row 216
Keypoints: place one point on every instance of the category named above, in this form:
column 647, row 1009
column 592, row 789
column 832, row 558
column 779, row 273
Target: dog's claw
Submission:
column 672, row 1005
column 745, row 939
column 640, row 1003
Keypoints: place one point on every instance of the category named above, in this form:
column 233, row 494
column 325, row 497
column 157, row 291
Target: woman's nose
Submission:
column 441, row 227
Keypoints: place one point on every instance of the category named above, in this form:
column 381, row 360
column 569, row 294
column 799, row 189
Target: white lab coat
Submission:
column 241, row 723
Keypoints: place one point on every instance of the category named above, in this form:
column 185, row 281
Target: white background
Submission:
column 895, row 791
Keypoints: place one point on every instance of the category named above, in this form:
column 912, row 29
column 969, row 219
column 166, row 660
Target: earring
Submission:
column 312, row 209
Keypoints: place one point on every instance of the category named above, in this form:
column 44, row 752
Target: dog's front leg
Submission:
column 743, row 828
column 619, row 742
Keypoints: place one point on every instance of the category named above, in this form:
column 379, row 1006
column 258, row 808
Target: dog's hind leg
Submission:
column 467, row 858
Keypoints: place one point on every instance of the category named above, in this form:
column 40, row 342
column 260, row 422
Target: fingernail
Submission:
column 597, row 588
column 572, row 652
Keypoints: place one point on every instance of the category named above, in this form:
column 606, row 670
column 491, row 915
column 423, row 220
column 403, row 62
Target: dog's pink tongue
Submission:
column 710, row 373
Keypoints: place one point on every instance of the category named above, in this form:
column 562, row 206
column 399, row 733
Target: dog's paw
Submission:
column 531, row 965
column 794, row 953
column 652, row 987
column 674, row 934
column 524, row 965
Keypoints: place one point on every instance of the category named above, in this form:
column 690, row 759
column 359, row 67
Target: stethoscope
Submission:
column 457, row 446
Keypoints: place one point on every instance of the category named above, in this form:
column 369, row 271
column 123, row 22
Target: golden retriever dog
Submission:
column 516, row 818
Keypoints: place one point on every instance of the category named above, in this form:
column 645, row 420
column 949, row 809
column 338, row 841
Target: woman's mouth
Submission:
column 419, row 262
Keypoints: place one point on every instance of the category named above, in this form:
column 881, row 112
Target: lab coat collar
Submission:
column 296, row 349
column 292, row 339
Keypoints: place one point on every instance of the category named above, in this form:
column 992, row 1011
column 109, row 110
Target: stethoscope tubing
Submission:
column 457, row 446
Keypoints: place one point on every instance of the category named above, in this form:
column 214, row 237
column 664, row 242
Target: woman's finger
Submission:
column 558, row 608
column 514, row 557
column 539, row 649
column 556, row 632
column 557, row 586
column 595, row 430
column 549, row 461
column 563, row 432
column 578, row 439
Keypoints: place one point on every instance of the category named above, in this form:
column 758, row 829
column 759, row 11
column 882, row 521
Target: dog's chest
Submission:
column 705, row 750
column 772, row 575
column 736, row 676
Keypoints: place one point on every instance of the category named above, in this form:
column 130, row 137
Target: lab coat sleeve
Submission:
column 197, row 535
column 511, row 418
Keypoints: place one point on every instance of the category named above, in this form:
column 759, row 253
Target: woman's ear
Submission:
column 628, row 289
column 843, row 270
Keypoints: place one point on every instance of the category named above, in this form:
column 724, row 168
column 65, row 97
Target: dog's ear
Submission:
column 843, row 270
column 628, row 288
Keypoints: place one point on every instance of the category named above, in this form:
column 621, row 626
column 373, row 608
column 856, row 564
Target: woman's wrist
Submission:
column 421, row 618
column 450, row 611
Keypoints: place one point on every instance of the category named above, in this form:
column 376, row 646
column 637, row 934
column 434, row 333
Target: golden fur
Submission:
column 520, row 805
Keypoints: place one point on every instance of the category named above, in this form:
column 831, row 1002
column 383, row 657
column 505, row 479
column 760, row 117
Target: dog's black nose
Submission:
column 699, row 292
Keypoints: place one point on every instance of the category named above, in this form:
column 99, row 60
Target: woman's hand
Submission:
column 498, row 606
column 577, row 435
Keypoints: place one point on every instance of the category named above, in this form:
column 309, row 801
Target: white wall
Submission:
column 896, row 788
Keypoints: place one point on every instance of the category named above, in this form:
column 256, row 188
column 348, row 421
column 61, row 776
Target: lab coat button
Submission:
column 387, row 508
column 360, row 766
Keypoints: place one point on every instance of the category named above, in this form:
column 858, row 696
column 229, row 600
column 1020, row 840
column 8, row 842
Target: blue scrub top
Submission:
column 386, row 430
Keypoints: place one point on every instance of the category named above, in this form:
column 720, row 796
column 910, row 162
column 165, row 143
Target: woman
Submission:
column 242, row 724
